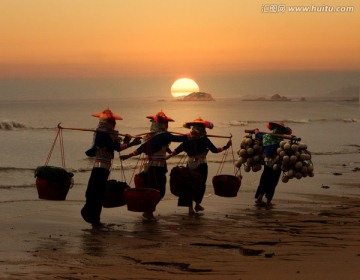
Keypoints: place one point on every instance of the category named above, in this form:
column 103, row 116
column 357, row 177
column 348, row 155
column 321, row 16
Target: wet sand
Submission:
column 302, row 237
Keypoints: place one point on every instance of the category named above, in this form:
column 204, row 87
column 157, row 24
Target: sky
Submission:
column 110, row 38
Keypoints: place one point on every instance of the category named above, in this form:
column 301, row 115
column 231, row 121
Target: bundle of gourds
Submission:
column 294, row 160
column 251, row 154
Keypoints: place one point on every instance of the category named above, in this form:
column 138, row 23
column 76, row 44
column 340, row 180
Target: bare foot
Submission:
column 259, row 203
column 149, row 216
column 99, row 227
column 198, row 208
column 268, row 205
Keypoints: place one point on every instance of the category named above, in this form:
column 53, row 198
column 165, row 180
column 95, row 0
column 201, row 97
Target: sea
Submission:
column 29, row 126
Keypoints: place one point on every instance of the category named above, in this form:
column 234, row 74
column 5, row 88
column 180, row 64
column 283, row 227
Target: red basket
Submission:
column 142, row 199
column 226, row 185
column 51, row 190
column 184, row 181
column 139, row 180
column 115, row 194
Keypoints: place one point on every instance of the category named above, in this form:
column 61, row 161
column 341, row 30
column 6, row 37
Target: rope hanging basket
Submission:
column 53, row 183
column 142, row 199
column 115, row 194
column 139, row 180
column 226, row 185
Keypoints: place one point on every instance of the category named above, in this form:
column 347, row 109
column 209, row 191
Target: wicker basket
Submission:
column 226, row 185
column 53, row 183
column 115, row 194
column 142, row 199
column 184, row 181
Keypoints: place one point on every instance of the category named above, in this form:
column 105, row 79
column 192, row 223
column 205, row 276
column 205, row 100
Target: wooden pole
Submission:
column 289, row 137
column 208, row 135
column 93, row 130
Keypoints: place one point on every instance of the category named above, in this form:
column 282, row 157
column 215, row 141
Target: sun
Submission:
column 183, row 87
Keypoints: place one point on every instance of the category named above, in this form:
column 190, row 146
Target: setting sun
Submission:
column 183, row 87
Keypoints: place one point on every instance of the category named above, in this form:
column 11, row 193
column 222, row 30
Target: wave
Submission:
column 10, row 125
column 10, row 168
column 8, row 187
column 15, row 125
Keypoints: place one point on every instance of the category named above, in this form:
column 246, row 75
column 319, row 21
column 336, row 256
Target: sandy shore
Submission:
column 302, row 237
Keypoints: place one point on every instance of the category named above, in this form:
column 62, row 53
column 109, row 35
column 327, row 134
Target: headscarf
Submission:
column 200, row 128
column 157, row 127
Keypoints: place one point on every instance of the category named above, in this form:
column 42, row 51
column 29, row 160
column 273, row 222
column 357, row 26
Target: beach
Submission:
column 310, row 233
column 304, row 236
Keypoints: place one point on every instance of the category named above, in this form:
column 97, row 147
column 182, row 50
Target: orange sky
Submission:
column 166, row 37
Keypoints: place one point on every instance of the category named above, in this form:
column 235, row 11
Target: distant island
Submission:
column 275, row 97
column 197, row 96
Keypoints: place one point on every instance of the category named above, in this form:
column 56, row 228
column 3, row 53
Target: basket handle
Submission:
column 60, row 136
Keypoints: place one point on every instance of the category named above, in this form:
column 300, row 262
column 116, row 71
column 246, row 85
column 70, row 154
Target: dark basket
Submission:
column 226, row 185
column 142, row 199
column 53, row 183
column 184, row 181
column 52, row 190
column 115, row 194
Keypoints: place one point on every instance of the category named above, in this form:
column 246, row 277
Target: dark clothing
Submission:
column 158, row 141
column 155, row 178
column 197, row 149
column 103, row 149
column 95, row 193
column 270, row 177
column 103, row 140
column 197, row 146
column 199, row 191
column 268, row 182
column 155, row 148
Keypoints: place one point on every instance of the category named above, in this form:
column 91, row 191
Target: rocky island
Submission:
column 275, row 97
column 197, row 96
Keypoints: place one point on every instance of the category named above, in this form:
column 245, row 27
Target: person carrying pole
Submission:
column 269, row 177
column 156, row 146
column 106, row 141
column 197, row 149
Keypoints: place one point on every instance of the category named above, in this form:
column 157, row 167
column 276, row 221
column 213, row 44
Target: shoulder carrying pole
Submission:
column 92, row 130
column 289, row 137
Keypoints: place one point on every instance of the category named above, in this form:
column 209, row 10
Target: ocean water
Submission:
column 28, row 129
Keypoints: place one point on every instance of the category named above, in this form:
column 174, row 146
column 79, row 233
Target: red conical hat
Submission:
column 207, row 124
column 271, row 125
column 160, row 117
column 106, row 114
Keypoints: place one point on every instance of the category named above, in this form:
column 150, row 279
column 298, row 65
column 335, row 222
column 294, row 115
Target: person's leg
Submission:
column 262, row 188
column 95, row 193
column 186, row 201
column 201, row 187
column 271, row 185
column 157, row 180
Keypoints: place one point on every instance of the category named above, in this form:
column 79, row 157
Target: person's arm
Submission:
column 177, row 150
column 288, row 131
column 134, row 153
column 129, row 144
column 258, row 135
column 214, row 149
